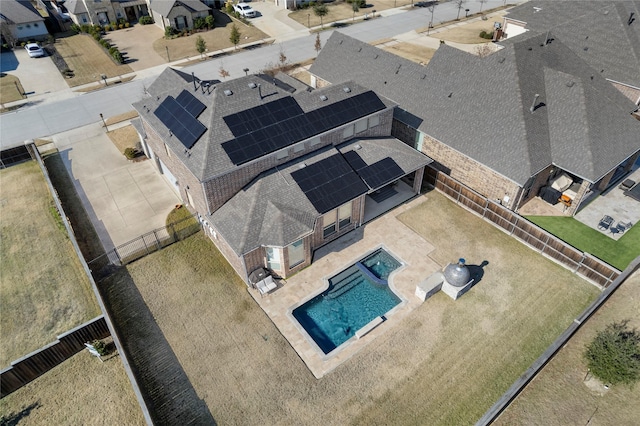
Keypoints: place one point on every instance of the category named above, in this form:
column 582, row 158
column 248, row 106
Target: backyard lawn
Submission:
column 446, row 363
column 80, row 391
column 87, row 59
column 616, row 253
column 44, row 290
column 559, row 395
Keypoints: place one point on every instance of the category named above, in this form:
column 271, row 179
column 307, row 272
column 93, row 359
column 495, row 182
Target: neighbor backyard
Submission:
column 43, row 288
column 447, row 362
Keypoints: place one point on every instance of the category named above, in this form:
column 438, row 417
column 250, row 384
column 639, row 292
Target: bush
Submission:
column 96, row 36
column 126, row 25
column 228, row 6
column 488, row 36
column 76, row 28
column 145, row 20
column 112, row 50
column 85, row 28
column 483, row 34
column 199, row 23
column 118, row 57
column 130, row 153
column 209, row 21
column 100, row 347
column 170, row 32
column 614, row 354
column 107, row 28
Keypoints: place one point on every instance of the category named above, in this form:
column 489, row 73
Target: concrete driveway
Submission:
column 136, row 44
column 124, row 199
column 39, row 76
column 275, row 21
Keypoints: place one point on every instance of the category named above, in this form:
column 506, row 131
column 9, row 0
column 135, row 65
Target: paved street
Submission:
column 47, row 118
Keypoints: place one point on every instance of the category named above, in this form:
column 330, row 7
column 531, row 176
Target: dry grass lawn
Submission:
column 559, row 395
column 469, row 33
column 446, row 363
column 44, row 290
column 412, row 52
column 80, row 391
column 216, row 39
column 87, row 59
column 124, row 137
column 122, row 117
column 10, row 88
column 339, row 11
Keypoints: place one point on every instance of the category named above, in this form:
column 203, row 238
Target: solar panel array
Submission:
column 377, row 174
column 180, row 122
column 190, row 103
column 329, row 183
column 267, row 128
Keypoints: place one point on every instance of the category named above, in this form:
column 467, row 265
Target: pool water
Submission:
column 355, row 296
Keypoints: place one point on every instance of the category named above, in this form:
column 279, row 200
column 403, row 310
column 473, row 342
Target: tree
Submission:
column 431, row 9
column 614, row 354
column 201, row 46
column 234, row 37
column 483, row 50
column 459, row 4
column 320, row 10
column 482, row 2
column 318, row 44
column 209, row 21
column 282, row 58
column 355, row 7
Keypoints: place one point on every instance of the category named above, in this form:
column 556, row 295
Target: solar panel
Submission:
column 284, row 123
column 381, row 173
column 190, row 103
column 329, row 183
column 181, row 124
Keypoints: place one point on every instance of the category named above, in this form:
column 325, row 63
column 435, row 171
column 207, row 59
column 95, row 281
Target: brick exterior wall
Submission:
column 630, row 92
column 540, row 180
column 234, row 260
column 178, row 169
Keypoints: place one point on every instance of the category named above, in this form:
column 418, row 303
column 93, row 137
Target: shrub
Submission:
column 100, row 347
column 112, row 50
column 483, row 33
column 145, row 20
column 96, row 36
column 85, row 28
column 118, row 57
column 120, row 26
column 126, row 25
column 76, row 28
column 228, row 6
column 130, row 153
column 107, row 28
column 169, row 32
column 199, row 23
column 114, row 25
column 209, row 21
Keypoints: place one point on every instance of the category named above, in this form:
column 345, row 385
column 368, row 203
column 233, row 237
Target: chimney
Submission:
column 533, row 105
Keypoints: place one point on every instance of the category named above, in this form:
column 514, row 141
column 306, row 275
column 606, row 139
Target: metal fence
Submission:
column 535, row 237
column 148, row 243
column 34, row 365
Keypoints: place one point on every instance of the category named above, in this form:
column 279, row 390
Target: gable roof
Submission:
column 273, row 210
column 75, row 6
column 19, row 12
column 210, row 157
column 481, row 106
column 605, row 34
column 163, row 7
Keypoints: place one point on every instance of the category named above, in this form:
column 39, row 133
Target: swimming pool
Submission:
column 355, row 296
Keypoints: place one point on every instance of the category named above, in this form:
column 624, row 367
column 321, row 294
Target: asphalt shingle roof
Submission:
column 481, row 106
column 163, row 7
column 599, row 32
column 19, row 11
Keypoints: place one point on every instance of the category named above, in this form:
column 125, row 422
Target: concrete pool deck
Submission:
column 387, row 231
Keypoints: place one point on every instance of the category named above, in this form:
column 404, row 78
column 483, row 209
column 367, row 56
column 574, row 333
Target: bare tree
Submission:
column 318, row 44
column 223, row 72
column 482, row 2
column 483, row 50
column 431, row 9
column 459, row 4
column 282, row 58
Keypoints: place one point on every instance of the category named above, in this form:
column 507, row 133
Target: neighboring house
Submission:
column 21, row 21
column 178, row 14
column 605, row 34
column 273, row 168
column 103, row 12
column 506, row 124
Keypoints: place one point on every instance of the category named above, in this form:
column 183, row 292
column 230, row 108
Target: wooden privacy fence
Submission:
column 551, row 246
column 34, row 365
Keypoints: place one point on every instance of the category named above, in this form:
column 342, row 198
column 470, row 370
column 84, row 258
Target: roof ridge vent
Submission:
column 570, row 83
column 345, row 89
column 323, row 97
column 228, row 92
column 252, row 85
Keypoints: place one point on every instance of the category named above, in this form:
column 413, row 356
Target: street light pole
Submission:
column 104, row 123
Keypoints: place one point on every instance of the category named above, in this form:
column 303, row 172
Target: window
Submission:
column 296, row 253
column 166, row 148
column 189, row 199
column 374, row 121
column 419, row 140
column 35, row 25
column 361, row 126
column 314, row 141
column 299, row 147
column 282, row 154
column 329, row 222
column 348, row 131
column 84, row 19
column 273, row 258
column 344, row 215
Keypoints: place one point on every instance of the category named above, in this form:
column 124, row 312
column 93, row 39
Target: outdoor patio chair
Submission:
column 605, row 222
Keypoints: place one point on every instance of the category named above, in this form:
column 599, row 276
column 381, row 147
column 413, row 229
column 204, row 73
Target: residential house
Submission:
column 103, row 12
column 506, row 124
column 605, row 34
column 179, row 14
column 273, row 168
column 21, row 21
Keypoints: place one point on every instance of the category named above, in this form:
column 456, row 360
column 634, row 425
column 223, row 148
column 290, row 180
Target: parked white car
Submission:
column 34, row 50
column 245, row 10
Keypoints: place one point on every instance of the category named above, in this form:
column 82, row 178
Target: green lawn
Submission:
column 43, row 287
column 616, row 253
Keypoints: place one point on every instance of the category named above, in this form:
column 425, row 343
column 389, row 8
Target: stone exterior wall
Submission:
column 178, row 169
column 220, row 189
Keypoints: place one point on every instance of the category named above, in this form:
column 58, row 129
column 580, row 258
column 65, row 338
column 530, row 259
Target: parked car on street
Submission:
column 34, row 50
column 245, row 10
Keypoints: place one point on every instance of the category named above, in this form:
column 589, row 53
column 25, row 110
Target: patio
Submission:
column 403, row 243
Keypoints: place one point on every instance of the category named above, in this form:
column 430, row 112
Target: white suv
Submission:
column 245, row 10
